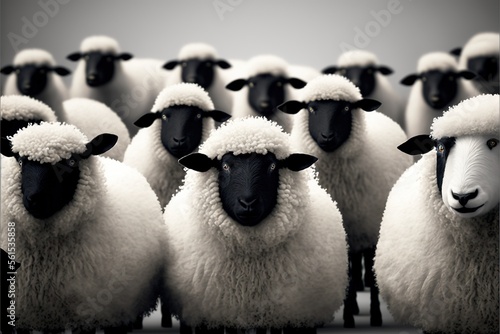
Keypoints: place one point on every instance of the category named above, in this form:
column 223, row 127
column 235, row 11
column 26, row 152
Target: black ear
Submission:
column 367, row 104
column 62, row 71
column 6, row 148
column 417, row 145
column 385, row 70
column 170, row 65
column 410, row 79
column 7, row 69
column 298, row 161
column 147, row 119
column 222, row 64
column 236, row 85
column 296, row 83
column 197, row 161
column 456, row 51
column 217, row 115
column 74, row 56
column 100, row 144
column 468, row 75
column 125, row 56
column 330, row 70
column 292, row 106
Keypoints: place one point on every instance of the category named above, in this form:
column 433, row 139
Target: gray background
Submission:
column 303, row 32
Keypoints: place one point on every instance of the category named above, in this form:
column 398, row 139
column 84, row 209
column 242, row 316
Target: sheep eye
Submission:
column 451, row 78
column 440, row 148
column 208, row 64
column 18, row 70
column 225, row 167
column 184, row 64
column 346, row 108
column 424, row 79
column 279, row 84
column 251, row 84
column 492, row 143
column 342, row 72
column 71, row 162
column 164, row 117
column 109, row 59
column 369, row 71
column 43, row 71
column 311, row 110
column 273, row 166
column 198, row 116
column 20, row 162
column 86, row 57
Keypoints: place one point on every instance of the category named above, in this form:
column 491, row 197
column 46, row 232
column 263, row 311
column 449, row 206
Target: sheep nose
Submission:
column 91, row 76
column 264, row 104
column 27, row 86
column 327, row 137
column 247, row 204
column 464, row 198
column 435, row 98
column 179, row 141
column 191, row 79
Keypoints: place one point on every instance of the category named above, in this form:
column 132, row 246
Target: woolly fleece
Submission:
column 435, row 270
column 392, row 106
column 105, row 242
column 262, row 64
column 33, row 56
column 360, row 173
column 418, row 114
column 146, row 152
column 197, row 50
column 21, row 107
column 100, row 43
column 289, row 270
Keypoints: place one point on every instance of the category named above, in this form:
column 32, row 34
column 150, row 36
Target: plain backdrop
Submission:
column 312, row 32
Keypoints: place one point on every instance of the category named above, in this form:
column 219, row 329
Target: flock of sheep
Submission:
column 244, row 195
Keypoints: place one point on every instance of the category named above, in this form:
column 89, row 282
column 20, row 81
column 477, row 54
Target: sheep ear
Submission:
column 124, row 56
column 296, row 83
column 298, row 161
column 410, row 79
column 62, row 71
column 197, row 161
column 236, row 85
column 223, row 64
column 100, row 144
column 7, row 148
column 147, row 119
column 385, row 70
column 417, row 145
column 456, row 51
column 292, row 107
column 330, row 70
column 7, row 69
column 217, row 115
column 74, row 56
column 468, row 75
column 367, row 104
column 170, row 65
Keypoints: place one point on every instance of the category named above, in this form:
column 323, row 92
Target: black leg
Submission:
column 368, row 256
column 261, row 330
column 166, row 316
column 116, row 330
column 23, row 331
column 357, row 270
column 276, row 330
column 350, row 301
column 231, row 331
column 375, row 314
column 184, row 328
column 138, row 322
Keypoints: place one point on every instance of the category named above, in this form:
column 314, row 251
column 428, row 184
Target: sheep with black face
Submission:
column 126, row 84
column 86, row 228
column 358, row 162
column 437, row 260
column 267, row 85
column 255, row 242
column 181, row 119
column 437, row 85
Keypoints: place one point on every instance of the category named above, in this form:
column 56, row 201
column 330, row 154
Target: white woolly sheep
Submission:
column 182, row 117
column 88, row 232
column 34, row 78
column 358, row 162
column 265, row 86
column 128, row 86
column 437, row 257
column 199, row 63
column 364, row 70
column 480, row 55
column 439, row 87
column 255, row 242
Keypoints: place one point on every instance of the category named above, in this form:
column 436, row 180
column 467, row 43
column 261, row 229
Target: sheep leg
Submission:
column 299, row 330
column 350, row 300
column 184, row 328
column 231, row 331
column 276, row 331
column 357, row 270
column 138, row 322
column 375, row 314
column 369, row 255
column 116, row 330
column 166, row 316
column 23, row 331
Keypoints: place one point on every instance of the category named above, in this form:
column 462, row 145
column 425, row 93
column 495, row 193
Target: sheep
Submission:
column 439, row 87
column 253, row 242
column 364, row 70
column 89, row 231
column 437, row 257
column 128, row 86
column 34, row 77
column 17, row 111
column 358, row 163
column 480, row 55
column 199, row 63
column 267, row 78
column 182, row 117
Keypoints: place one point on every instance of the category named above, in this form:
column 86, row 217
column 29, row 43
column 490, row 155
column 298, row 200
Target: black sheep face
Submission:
column 361, row 77
column 486, row 68
column 181, row 129
column 439, row 88
column 198, row 71
column 248, row 186
column 265, row 93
